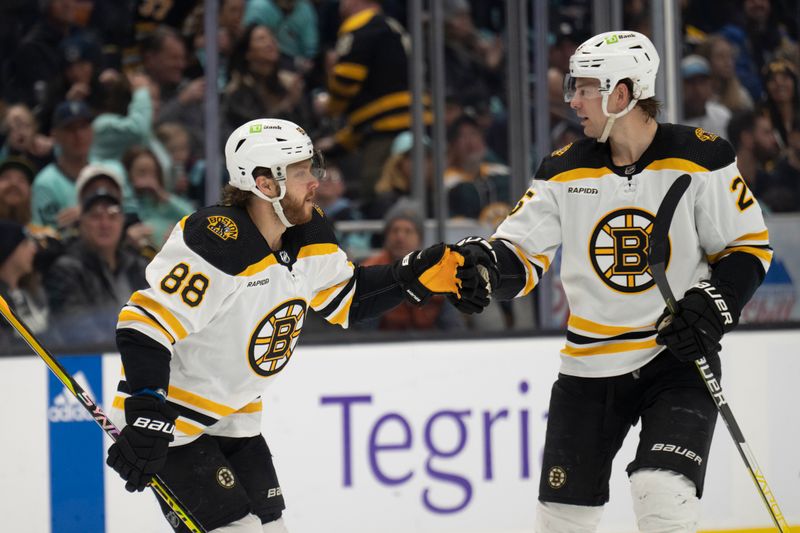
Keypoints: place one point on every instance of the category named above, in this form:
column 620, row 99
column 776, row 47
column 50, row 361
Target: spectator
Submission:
column 782, row 192
column 330, row 197
column 403, row 233
column 294, row 24
column 473, row 63
column 257, row 87
column 473, row 185
column 368, row 86
column 396, row 177
column 158, row 209
column 37, row 60
column 783, row 101
column 53, row 198
column 760, row 39
column 753, row 138
column 698, row 107
column 22, row 138
column 88, row 285
column 164, row 60
column 184, row 178
column 727, row 89
column 231, row 18
column 19, row 285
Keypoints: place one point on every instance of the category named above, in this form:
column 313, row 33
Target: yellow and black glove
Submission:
column 430, row 271
column 479, row 275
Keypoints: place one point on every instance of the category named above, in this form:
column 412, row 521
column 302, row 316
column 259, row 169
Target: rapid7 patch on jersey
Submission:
column 618, row 249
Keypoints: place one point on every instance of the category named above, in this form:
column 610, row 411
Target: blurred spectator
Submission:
column 258, row 87
column 294, row 24
column 396, row 177
column 473, row 185
column 53, row 198
column 184, row 177
column 698, row 107
column 782, row 98
column 473, row 63
column 726, row 87
column 759, row 39
column 37, row 59
column 231, row 18
column 79, row 78
column 158, row 209
column 753, row 138
column 403, row 233
column 782, row 191
column 22, row 138
column 164, row 60
column 368, row 86
column 330, row 197
column 88, row 285
column 20, row 286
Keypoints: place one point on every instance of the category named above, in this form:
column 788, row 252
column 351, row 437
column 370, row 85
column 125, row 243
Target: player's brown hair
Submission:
column 237, row 197
column 650, row 106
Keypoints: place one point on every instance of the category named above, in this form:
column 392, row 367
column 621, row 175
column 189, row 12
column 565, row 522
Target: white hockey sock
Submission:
column 249, row 524
column 276, row 526
column 564, row 518
column 664, row 501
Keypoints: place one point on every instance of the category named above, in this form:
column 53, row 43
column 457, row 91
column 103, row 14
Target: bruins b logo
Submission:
column 618, row 249
column 272, row 342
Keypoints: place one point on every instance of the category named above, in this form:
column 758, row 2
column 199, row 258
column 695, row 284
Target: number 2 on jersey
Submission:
column 193, row 290
column 743, row 202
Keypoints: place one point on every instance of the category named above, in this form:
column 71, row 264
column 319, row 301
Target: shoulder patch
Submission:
column 223, row 227
column 582, row 154
column 560, row 151
column 319, row 210
column 704, row 135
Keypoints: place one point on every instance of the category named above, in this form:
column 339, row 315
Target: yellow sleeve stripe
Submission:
column 340, row 89
column 609, row 348
column 193, row 399
column 544, row 260
column 352, row 71
column 183, row 221
column 253, row 407
column 676, row 163
column 154, row 307
column 757, row 236
column 325, row 295
column 255, row 268
column 584, row 324
column 581, row 174
column 317, row 249
column 343, row 313
column 186, row 428
column 126, row 315
column 383, row 104
column 400, row 120
column 764, row 255
column 357, row 21
column 119, row 402
column 530, row 273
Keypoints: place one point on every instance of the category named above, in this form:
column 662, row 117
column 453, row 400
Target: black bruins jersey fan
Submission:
column 227, row 299
column 596, row 200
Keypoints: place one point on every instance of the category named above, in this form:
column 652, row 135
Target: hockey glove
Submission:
column 705, row 313
column 478, row 275
column 429, row 271
column 141, row 448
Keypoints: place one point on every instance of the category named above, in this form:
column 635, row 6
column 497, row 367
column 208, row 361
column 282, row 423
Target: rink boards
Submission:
column 407, row 437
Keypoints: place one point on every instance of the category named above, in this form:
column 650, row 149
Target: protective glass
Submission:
column 585, row 92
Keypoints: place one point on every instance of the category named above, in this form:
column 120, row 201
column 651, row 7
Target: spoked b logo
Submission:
column 273, row 341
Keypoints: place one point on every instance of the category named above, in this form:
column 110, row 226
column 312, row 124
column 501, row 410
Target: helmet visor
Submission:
column 586, row 91
column 318, row 165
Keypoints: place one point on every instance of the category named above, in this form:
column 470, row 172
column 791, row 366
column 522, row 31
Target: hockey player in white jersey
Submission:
column 623, row 362
column 227, row 298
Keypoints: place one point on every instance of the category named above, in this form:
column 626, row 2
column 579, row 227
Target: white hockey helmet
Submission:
column 610, row 58
column 269, row 143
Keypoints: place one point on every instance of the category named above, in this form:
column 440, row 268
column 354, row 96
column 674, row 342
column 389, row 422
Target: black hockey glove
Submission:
column 478, row 275
column 705, row 313
column 141, row 448
column 429, row 271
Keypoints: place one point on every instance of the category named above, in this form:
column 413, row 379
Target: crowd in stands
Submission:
column 102, row 124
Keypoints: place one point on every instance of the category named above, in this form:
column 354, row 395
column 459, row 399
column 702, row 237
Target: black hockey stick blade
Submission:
column 659, row 240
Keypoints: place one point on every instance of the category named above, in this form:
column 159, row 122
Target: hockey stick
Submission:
column 158, row 486
column 657, row 258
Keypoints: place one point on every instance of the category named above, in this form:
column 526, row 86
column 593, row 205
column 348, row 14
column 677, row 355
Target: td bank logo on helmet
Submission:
column 66, row 408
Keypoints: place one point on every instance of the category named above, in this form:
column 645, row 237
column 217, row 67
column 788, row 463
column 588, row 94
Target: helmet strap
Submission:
column 275, row 202
column 612, row 117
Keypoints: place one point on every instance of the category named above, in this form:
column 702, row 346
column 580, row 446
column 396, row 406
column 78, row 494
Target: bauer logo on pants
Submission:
column 556, row 477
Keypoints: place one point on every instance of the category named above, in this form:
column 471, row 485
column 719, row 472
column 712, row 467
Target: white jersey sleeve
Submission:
column 334, row 287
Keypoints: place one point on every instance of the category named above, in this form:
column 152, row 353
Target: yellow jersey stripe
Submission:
column 193, row 399
column 616, row 347
column 153, row 306
column 352, row 71
column 324, row 295
column 128, row 315
column 255, row 268
column 602, row 329
column 543, row 259
column 253, row 407
column 183, row 221
column 530, row 273
column 119, row 402
column 317, row 249
column 675, row 163
column 340, row 89
column 357, row 21
column 758, row 236
column 186, row 428
column 581, row 174
column 764, row 255
column 401, row 120
column 344, row 311
column 381, row 105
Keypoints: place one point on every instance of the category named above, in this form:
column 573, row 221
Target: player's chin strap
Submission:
column 613, row 116
column 276, row 202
